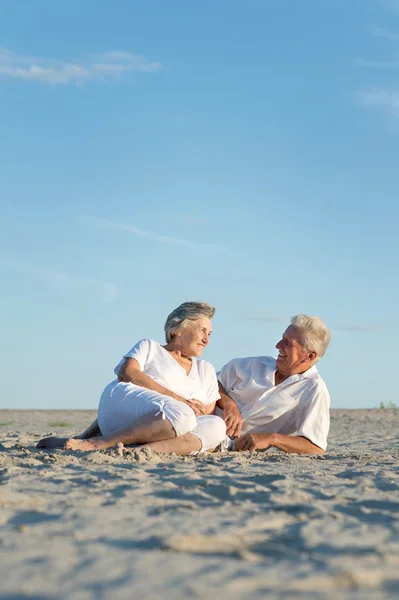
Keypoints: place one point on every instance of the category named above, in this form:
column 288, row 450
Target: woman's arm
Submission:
column 130, row 372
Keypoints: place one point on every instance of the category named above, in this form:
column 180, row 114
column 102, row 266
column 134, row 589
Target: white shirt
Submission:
column 156, row 362
column 297, row 406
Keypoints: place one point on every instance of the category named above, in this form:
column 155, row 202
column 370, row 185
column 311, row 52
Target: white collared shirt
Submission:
column 200, row 384
column 297, row 406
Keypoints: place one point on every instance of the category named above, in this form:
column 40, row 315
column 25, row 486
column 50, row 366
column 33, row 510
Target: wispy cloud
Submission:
column 265, row 317
column 382, row 98
column 356, row 328
column 64, row 283
column 384, row 33
column 194, row 220
column 150, row 235
column 105, row 290
column 98, row 67
column 376, row 64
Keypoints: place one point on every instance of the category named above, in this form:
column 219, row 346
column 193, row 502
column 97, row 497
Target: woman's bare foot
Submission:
column 75, row 444
column 49, row 443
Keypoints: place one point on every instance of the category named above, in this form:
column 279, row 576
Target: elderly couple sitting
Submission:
column 164, row 400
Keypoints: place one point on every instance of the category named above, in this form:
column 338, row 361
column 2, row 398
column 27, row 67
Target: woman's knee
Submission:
column 182, row 418
column 217, row 431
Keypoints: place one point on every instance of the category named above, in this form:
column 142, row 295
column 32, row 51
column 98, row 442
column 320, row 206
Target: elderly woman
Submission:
column 162, row 398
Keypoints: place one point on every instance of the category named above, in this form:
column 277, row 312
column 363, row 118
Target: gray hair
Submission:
column 315, row 335
column 184, row 314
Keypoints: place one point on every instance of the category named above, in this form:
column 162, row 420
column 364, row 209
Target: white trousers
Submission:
column 125, row 404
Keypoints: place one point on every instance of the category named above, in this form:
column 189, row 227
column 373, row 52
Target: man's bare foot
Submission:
column 75, row 444
column 49, row 443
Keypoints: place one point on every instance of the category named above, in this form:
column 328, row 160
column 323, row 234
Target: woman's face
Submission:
column 194, row 337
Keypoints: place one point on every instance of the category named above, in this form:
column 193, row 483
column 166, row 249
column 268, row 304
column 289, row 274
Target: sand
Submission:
column 235, row 526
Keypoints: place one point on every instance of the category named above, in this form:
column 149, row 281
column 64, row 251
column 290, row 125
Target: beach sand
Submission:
column 235, row 526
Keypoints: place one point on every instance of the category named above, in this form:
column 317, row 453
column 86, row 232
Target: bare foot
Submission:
column 75, row 444
column 51, row 442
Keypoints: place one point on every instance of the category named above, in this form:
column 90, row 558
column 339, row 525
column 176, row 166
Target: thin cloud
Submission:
column 384, row 33
column 99, row 67
column 356, row 328
column 376, row 64
column 106, row 290
column 195, row 220
column 65, row 283
column 381, row 98
column 156, row 237
column 267, row 318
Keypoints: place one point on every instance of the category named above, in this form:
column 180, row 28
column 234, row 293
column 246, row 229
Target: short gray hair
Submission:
column 184, row 314
column 315, row 335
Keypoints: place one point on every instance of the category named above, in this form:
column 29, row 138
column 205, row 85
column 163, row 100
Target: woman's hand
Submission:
column 198, row 407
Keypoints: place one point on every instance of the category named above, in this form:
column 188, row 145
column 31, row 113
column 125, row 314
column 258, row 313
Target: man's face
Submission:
column 292, row 356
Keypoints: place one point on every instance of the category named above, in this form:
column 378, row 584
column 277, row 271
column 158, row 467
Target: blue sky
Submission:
column 242, row 152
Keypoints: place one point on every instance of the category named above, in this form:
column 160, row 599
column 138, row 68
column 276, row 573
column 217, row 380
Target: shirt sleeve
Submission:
column 139, row 352
column 212, row 393
column 314, row 421
column 228, row 375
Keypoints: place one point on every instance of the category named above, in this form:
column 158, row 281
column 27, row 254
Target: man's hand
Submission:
column 233, row 420
column 231, row 415
column 254, row 441
column 197, row 406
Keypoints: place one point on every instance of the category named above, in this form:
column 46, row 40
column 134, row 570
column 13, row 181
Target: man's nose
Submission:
column 278, row 345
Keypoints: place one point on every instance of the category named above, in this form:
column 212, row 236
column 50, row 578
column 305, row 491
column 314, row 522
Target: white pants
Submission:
column 125, row 404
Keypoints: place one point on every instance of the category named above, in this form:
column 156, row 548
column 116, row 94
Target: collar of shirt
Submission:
column 271, row 368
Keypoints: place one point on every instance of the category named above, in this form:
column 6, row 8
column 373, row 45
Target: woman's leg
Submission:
column 52, row 442
column 182, row 445
column 149, row 429
column 209, row 432
column 132, row 415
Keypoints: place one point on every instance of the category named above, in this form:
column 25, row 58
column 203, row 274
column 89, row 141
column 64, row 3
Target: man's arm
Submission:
column 231, row 414
column 287, row 443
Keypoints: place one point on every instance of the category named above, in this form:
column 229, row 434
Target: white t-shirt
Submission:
column 297, row 406
column 156, row 362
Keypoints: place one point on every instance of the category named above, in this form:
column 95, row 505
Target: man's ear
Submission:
column 312, row 356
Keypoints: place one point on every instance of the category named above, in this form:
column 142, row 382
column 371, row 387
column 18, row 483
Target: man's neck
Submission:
column 280, row 376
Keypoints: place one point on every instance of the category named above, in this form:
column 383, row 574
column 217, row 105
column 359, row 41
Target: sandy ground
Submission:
column 96, row 525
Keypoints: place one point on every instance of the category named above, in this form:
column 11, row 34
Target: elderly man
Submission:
column 279, row 402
